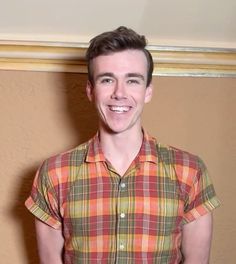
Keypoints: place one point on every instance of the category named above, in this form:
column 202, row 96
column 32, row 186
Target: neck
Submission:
column 121, row 148
column 121, row 141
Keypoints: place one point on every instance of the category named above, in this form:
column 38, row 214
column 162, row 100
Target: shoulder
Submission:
column 173, row 156
column 182, row 165
column 62, row 167
column 176, row 156
column 73, row 157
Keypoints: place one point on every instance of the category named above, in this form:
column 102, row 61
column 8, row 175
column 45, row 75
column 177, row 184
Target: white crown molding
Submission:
column 69, row 57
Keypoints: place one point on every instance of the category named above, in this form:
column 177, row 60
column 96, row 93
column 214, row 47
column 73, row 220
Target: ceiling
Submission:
column 195, row 23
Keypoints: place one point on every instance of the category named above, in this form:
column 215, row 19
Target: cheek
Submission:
column 97, row 95
column 99, row 99
column 140, row 98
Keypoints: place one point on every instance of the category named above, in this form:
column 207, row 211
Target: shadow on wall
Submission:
column 81, row 112
column 82, row 118
column 24, row 218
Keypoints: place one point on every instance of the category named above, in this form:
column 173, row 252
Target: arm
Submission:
column 196, row 241
column 50, row 243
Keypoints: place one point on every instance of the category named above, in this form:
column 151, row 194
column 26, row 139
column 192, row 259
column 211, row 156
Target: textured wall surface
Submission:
column 45, row 113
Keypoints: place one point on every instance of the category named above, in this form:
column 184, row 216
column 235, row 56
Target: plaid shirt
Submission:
column 136, row 218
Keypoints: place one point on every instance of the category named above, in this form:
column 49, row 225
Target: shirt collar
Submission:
column 95, row 153
column 148, row 150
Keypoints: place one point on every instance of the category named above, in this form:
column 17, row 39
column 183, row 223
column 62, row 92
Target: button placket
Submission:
column 122, row 207
column 122, row 215
column 122, row 185
column 122, row 246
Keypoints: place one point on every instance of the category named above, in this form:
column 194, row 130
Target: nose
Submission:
column 119, row 91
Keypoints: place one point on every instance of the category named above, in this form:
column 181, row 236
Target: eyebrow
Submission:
column 110, row 74
column 136, row 75
column 105, row 74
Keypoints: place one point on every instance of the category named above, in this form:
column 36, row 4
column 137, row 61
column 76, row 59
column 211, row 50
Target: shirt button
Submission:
column 123, row 185
column 122, row 215
column 122, row 247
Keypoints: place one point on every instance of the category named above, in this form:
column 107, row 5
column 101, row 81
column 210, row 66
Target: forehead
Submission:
column 123, row 62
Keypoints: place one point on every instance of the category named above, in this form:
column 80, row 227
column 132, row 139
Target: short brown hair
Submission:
column 117, row 40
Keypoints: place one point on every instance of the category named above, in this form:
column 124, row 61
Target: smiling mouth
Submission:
column 119, row 109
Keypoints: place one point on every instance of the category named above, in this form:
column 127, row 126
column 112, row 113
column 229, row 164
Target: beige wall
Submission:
column 44, row 113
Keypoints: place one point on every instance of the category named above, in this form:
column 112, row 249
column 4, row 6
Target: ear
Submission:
column 89, row 91
column 148, row 93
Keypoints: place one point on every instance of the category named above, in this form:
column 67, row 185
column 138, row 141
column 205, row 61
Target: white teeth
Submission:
column 119, row 109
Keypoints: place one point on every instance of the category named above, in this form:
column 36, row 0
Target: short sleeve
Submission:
column 43, row 200
column 201, row 198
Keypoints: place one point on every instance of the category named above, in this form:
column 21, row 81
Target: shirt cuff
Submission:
column 41, row 215
column 201, row 210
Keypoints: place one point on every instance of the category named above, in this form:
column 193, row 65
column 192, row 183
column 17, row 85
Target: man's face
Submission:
column 119, row 91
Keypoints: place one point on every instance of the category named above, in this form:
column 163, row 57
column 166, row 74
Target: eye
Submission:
column 106, row 80
column 133, row 81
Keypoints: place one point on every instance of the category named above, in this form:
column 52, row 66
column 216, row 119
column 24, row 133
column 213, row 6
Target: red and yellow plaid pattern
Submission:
column 132, row 219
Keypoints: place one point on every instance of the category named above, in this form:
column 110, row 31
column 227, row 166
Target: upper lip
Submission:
column 112, row 105
column 123, row 108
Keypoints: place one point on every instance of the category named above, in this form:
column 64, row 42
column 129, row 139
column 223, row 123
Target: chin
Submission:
column 117, row 129
column 112, row 126
column 112, row 130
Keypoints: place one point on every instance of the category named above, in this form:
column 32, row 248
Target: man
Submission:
column 122, row 197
